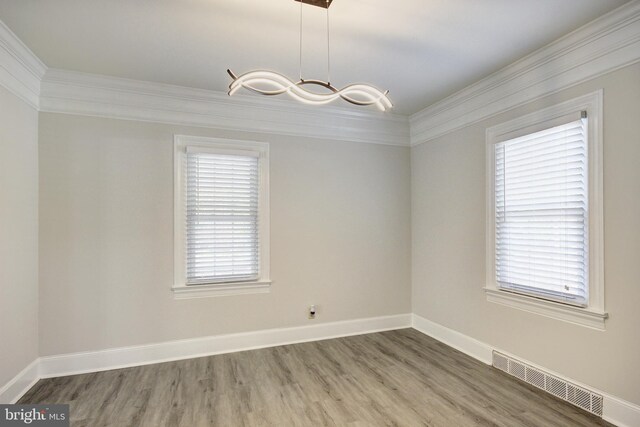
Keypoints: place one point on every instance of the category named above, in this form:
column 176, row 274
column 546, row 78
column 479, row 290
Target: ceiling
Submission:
column 421, row 50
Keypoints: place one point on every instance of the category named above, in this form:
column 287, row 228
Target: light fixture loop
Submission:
column 358, row 94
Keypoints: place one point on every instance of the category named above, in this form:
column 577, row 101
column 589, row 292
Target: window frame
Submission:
column 593, row 315
column 180, row 288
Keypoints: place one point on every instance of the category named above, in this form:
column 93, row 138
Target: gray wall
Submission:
column 448, row 234
column 18, row 235
column 340, row 236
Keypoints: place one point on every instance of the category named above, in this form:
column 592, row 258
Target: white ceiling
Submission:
column 421, row 50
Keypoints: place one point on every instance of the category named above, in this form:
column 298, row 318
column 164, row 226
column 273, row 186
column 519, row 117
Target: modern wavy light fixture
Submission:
column 271, row 83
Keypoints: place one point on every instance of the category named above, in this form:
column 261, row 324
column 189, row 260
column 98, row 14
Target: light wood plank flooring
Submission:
column 398, row 378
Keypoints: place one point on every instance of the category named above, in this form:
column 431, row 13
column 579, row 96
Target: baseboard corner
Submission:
column 470, row 346
column 12, row 391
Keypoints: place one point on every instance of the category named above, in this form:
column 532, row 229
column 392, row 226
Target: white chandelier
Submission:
column 271, row 83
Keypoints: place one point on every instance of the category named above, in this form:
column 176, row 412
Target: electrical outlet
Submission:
column 312, row 312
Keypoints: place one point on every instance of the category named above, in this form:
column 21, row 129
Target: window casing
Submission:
column 221, row 225
column 544, row 212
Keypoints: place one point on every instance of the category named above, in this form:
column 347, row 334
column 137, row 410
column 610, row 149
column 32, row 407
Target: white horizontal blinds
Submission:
column 222, row 217
column 542, row 213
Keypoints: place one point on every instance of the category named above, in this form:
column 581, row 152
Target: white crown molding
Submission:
column 101, row 96
column 21, row 71
column 615, row 410
column 602, row 46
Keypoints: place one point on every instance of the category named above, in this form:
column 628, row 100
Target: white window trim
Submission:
column 594, row 315
column 263, row 284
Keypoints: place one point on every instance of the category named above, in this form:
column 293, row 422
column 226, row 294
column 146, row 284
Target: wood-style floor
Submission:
column 398, row 378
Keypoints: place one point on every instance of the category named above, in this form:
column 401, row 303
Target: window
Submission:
column 544, row 213
column 541, row 214
column 221, row 217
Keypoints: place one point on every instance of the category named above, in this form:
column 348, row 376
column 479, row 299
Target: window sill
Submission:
column 221, row 289
column 578, row 316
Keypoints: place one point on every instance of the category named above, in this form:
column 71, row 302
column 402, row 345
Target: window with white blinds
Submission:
column 222, row 218
column 541, row 214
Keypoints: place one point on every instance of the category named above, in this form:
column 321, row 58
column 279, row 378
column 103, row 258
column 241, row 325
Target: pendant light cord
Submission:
column 300, row 69
column 328, row 47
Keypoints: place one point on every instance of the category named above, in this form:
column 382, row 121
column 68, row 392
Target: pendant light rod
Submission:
column 328, row 47
column 300, row 41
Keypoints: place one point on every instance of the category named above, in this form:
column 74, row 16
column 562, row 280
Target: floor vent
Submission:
column 578, row 396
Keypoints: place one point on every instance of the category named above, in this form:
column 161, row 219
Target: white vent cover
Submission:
column 578, row 396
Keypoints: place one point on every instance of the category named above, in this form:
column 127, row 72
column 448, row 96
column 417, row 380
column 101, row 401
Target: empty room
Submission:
column 320, row 213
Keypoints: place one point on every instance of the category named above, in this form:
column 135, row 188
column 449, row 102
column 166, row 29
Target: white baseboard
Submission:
column 615, row 410
column 20, row 384
column 474, row 348
column 620, row 412
column 103, row 360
